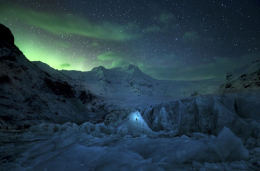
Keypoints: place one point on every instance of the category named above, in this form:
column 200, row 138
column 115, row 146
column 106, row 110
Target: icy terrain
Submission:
column 99, row 147
column 130, row 80
column 208, row 132
column 123, row 119
column 130, row 85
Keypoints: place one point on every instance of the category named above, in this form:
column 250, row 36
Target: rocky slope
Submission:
column 243, row 79
column 29, row 95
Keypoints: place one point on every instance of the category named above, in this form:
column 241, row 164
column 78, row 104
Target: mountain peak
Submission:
column 99, row 68
column 132, row 67
column 6, row 35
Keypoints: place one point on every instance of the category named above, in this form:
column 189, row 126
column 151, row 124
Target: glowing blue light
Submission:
column 135, row 116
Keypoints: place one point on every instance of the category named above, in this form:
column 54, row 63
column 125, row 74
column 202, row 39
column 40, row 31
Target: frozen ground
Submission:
column 214, row 132
column 66, row 147
column 166, row 136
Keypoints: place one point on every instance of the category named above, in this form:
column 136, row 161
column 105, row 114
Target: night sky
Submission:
column 167, row 39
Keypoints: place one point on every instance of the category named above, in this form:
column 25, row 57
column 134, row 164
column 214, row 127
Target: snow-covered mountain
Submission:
column 166, row 128
column 243, row 79
column 130, row 81
column 29, row 95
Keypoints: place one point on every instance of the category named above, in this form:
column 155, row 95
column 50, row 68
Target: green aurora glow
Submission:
column 57, row 49
column 164, row 43
column 43, row 52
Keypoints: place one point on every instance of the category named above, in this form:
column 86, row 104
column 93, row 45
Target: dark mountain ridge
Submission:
column 29, row 95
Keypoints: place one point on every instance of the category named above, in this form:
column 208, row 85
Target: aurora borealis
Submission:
column 167, row 39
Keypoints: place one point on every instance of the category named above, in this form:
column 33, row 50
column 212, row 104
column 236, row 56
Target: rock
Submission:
column 85, row 97
column 60, row 88
column 228, row 76
column 5, row 79
column 242, row 79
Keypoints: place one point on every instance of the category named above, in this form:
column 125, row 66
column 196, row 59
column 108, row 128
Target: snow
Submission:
column 243, row 79
column 247, row 69
column 120, row 82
